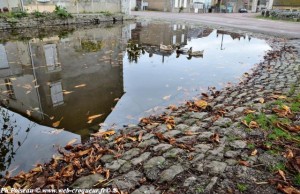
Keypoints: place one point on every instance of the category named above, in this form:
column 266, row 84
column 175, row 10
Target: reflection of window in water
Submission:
column 3, row 57
column 51, row 57
column 174, row 39
column 56, row 94
column 10, row 89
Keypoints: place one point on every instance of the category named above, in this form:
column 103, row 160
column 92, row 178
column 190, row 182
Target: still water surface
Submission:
column 110, row 76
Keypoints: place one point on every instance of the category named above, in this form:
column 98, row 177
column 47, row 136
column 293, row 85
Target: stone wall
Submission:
column 53, row 20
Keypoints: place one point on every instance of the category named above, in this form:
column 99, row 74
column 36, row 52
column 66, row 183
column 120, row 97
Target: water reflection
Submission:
column 66, row 80
column 112, row 75
column 154, row 79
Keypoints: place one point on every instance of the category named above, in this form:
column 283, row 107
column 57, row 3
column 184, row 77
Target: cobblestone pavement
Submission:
column 233, row 20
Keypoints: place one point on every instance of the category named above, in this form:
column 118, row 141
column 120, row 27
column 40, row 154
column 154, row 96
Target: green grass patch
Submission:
column 278, row 166
column 241, row 187
column 251, row 146
column 296, row 179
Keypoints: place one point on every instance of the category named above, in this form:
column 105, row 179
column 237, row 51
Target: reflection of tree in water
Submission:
column 7, row 149
column 134, row 51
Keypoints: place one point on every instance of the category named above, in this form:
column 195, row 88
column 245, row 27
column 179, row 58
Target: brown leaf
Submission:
column 172, row 107
column 28, row 112
column 253, row 124
column 106, row 133
column 191, row 133
column 289, row 154
column 160, row 136
column 215, row 138
column 172, row 141
column 278, row 97
column 69, row 144
column 201, row 104
column 107, row 174
column 146, row 120
column 261, row 100
column 249, row 111
column 140, row 136
column 57, row 123
column 288, row 189
column 245, row 123
column 282, row 174
column 254, row 152
column 80, row 86
column 243, row 163
column 94, row 116
column 84, row 152
column 131, row 138
column 169, row 126
column 37, row 169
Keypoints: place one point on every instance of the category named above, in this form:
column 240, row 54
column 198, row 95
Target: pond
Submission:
column 63, row 86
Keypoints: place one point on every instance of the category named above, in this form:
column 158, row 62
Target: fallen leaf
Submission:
column 282, row 174
column 37, row 169
column 243, row 163
column 201, row 104
column 80, row 86
column 191, row 133
column 146, row 120
column 287, row 189
column 67, row 92
column 106, row 133
column 140, row 136
column 253, row 124
column 131, row 138
column 215, row 138
column 28, row 112
column 278, row 97
column 289, row 154
column 249, row 111
column 160, row 136
column 261, row 100
column 254, row 152
column 57, row 123
column 169, row 126
column 94, row 116
column 69, row 144
column 84, row 152
column 245, row 123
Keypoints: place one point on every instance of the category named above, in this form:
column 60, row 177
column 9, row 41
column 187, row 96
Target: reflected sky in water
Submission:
column 112, row 75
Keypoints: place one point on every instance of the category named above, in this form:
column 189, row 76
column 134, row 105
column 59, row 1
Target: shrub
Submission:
column 19, row 14
column 285, row 15
column 38, row 14
column 62, row 12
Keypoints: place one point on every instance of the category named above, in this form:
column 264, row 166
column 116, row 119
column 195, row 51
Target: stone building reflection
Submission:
column 148, row 37
column 65, row 80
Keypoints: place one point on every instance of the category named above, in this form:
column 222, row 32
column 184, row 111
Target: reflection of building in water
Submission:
column 150, row 36
column 69, row 79
column 199, row 33
column 231, row 34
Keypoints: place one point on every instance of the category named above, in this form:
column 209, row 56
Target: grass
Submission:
column 278, row 166
column 241, row 187
column 296, row 179
column 251, row 146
